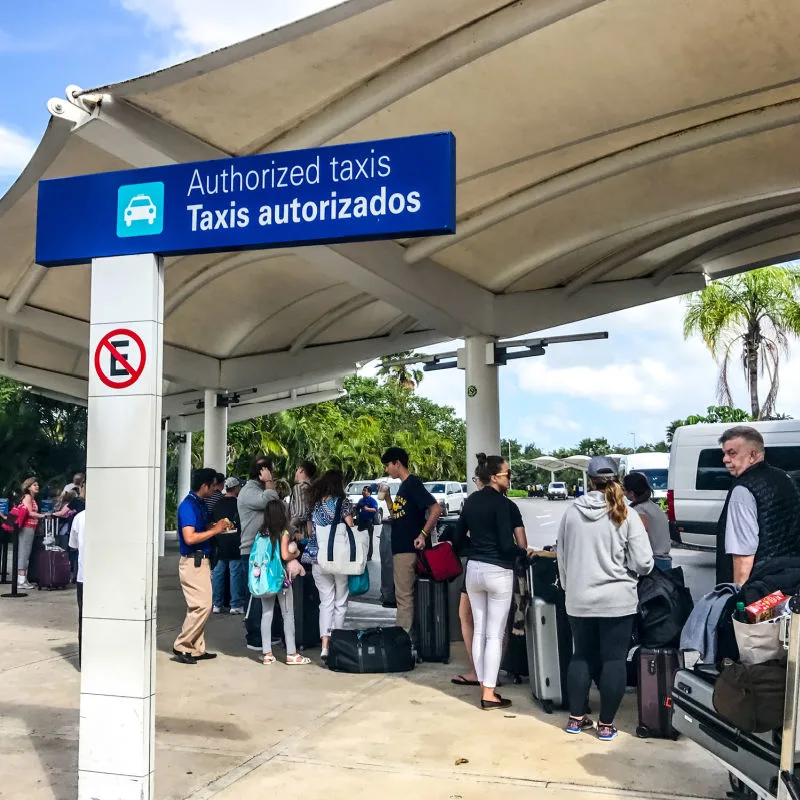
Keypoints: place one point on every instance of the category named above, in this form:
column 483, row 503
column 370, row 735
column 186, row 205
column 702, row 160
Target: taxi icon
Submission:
column 140, row 208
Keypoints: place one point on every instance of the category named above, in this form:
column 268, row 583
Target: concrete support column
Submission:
column 184, row 465
column 215, row 433
column 482, row 401
column 116, row 752
column 162, row 497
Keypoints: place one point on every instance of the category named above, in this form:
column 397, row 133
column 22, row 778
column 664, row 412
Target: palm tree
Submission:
column 401, row 374
column 751, row 315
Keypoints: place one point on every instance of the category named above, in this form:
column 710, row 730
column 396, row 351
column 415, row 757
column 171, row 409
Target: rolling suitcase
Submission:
column 387, row 564
column 432, row 618
column 547, row 662
column 754, row 756
column 53, row 570
column 305, row 599
column 656, row 668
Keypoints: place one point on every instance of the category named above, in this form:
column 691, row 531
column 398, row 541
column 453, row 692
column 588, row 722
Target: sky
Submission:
column 631, row 385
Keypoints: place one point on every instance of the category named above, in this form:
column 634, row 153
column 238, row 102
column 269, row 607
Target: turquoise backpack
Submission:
column 265, row 574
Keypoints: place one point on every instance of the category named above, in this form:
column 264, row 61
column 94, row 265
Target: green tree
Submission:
column 406, row 376
column 750, row 317
column 713, row 414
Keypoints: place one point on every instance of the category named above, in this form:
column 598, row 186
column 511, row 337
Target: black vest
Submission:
column 778, row 509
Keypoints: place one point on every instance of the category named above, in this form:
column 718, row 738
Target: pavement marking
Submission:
column 483, row 777
column 545, row 524
column 259, row 759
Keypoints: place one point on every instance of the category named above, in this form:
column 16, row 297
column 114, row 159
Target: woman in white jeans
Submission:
column 490, row 570
column 333, row 590
column 30, row 488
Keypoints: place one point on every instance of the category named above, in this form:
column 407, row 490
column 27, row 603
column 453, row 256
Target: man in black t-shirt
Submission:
column 226, row 550
column 410, row 530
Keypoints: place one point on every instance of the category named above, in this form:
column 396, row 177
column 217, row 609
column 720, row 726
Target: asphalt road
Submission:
column 542, row 517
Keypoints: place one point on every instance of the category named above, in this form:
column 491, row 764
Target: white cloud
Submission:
column 15, row 151
column 199, row 26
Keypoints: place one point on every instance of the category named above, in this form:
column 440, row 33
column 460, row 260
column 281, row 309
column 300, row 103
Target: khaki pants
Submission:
column 196, row 585
column 405, row 577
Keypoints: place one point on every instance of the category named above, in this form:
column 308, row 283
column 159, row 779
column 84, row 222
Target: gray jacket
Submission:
column 252, row 501
column 700, row 631
column 599, row 563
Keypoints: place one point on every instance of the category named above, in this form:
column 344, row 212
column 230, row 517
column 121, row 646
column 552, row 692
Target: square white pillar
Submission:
column 215, row 433
column 482, row 404
column 116, row 757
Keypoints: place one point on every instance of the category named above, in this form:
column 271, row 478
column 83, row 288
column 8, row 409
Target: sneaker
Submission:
column 216, row 610
column 324, row 655
column 578, row 725
column 237, row 611
column 26, row 585
column 606, row 733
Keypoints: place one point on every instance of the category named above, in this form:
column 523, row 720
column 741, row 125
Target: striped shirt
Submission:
column 299, row 509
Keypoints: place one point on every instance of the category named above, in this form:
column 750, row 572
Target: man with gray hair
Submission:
column 761, row 516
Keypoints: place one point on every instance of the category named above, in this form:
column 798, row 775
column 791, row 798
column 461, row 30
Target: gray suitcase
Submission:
column 545, row 662
column 755, row 756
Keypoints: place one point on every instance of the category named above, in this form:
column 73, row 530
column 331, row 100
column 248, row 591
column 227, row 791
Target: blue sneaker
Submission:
column 606, row 733
column 578, row 725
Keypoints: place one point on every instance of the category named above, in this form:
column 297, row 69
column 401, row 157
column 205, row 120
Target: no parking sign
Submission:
column 120, row 358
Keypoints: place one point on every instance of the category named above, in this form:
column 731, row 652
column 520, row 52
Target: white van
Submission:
column 654, row 466
column 699, row 481
column 448, row 494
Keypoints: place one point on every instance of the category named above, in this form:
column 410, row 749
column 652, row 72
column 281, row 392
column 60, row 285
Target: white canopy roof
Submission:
column 609, row 153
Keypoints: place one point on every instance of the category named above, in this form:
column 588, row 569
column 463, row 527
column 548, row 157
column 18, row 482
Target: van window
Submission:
column 657, row 478
column 712, row 475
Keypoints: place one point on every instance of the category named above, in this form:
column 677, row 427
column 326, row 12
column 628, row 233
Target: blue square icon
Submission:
column 140, row 209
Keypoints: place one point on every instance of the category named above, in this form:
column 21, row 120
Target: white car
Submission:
column 140, row 207
column 557, row 490
column 448, row 494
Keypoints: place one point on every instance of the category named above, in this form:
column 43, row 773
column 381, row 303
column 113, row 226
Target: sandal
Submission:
column 269, row 659
column 460, row 680
column 297, row 659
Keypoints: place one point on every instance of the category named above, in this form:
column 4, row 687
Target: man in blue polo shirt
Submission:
column 194, row 536
column 367, row 508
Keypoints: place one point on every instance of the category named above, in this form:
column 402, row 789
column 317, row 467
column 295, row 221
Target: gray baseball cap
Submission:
column 602, row 467
column 232, row 483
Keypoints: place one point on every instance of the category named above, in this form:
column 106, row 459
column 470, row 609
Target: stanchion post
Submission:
column 14, row 571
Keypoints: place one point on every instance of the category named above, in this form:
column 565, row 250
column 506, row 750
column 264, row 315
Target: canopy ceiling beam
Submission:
column 752, row 257
column 343, row 356
column 328, row 319
column 439, row 298
column 11, row 347
column 71, row 389
column 674, row 144
column 25, row 287
column 546, row 308
column 185, row 366
column 710, row 246
column 478, row 38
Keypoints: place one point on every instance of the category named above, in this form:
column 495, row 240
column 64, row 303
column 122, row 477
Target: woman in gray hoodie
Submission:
column 602, row 549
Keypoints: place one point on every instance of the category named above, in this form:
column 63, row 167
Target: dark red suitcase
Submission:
column 53, row 568
column 656, row 671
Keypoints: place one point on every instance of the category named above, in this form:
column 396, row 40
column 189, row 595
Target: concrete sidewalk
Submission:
column 233, row 729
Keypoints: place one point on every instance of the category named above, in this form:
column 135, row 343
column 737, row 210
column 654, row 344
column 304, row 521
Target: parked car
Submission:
column 355, row 489
column 699, row 481
column 557, row 490
column 449, row 494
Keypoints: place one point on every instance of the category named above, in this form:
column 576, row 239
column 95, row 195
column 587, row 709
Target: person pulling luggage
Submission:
column 601, row 547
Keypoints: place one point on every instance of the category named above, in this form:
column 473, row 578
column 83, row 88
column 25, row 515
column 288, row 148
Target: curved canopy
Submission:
column 610, row 152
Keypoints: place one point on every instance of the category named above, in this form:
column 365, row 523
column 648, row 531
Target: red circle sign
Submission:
column 120, row 373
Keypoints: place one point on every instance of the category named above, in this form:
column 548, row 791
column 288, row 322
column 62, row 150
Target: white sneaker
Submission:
column 216, row 610
column 237, row 611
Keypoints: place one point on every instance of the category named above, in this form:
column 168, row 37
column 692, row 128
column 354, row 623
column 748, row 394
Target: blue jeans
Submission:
column 663, row 564
column 218, row 576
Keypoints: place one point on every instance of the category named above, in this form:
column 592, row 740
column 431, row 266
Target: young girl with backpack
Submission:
column 267, row 580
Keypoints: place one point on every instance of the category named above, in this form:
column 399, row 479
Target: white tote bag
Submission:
column 342, row 550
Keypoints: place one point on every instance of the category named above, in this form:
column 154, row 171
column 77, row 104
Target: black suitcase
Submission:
column 656, row 668
column 432, row 620
column 370, row 650
column 756, row 756
column 305, row 597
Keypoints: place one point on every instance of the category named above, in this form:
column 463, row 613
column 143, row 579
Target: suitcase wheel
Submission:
column 642, row 731
column 547, row 706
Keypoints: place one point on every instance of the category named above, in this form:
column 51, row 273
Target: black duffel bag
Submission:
column 370, row 650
